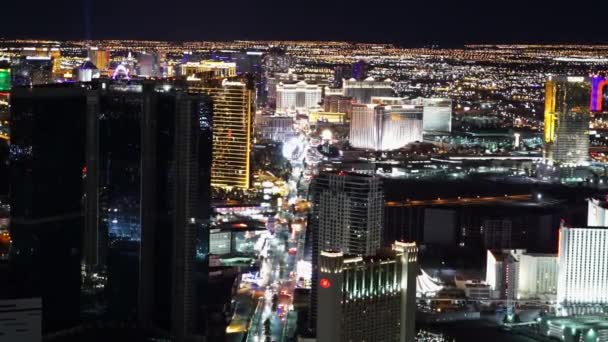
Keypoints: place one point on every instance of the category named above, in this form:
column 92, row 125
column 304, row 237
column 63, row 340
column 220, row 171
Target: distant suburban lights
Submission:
column 325, row 283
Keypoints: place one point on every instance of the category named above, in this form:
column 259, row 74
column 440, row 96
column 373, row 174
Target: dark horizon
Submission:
column 406, row 24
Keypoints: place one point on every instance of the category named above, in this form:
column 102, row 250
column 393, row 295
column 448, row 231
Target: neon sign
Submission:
column 121, row 69
column 597, row 90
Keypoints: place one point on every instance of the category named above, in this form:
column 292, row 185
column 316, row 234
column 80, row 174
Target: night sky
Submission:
column 406, row 22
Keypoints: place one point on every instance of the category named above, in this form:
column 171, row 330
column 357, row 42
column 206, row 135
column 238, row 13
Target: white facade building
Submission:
column 368, row 298
column 383, row 128
column 597, row 213
column 362, row 91
column 537, row 275
column 514, row 274
column 474, row 289
column 299, row 96
column 437, row 115
column 502, row 273
column 583, row 266
column 437, row 112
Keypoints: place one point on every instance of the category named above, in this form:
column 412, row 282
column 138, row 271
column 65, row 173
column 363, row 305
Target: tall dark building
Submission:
column 341, row 72
column 114, row 139
column 360, row 70
column 274, row 61
column 127, row 165
column 148, row 65
column 47, row 160
column 149, row 154
column 176, row 166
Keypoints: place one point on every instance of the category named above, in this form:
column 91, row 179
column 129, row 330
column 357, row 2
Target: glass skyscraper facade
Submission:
column 127, row 165
column 47, row 160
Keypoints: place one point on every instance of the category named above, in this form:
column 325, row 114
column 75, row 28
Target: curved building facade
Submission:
column 384, row 128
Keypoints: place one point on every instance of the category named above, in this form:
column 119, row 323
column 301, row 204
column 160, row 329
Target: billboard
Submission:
column 5, row 79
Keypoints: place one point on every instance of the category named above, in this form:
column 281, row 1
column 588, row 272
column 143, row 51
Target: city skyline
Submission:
column 283, row 190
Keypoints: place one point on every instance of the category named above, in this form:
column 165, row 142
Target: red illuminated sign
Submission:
column 325, row 283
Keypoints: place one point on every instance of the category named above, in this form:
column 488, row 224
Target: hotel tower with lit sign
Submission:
column 567, row 115
column 347, row 216
column 368, row 298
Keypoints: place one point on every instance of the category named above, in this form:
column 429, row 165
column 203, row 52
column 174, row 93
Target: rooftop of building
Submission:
column 382, row 254
column 301, row 83
column 238, row 226
column 348, row 173
column 210, row 64
column 585, row 228
column 569, row 78
column 88, row 65
column 595, row 322
column 389, row 107
column 600, row 201
column 367, row 80
column 501, row 255
column 541, row 255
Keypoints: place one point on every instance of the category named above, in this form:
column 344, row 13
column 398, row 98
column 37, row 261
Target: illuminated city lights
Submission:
column 281, row 178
